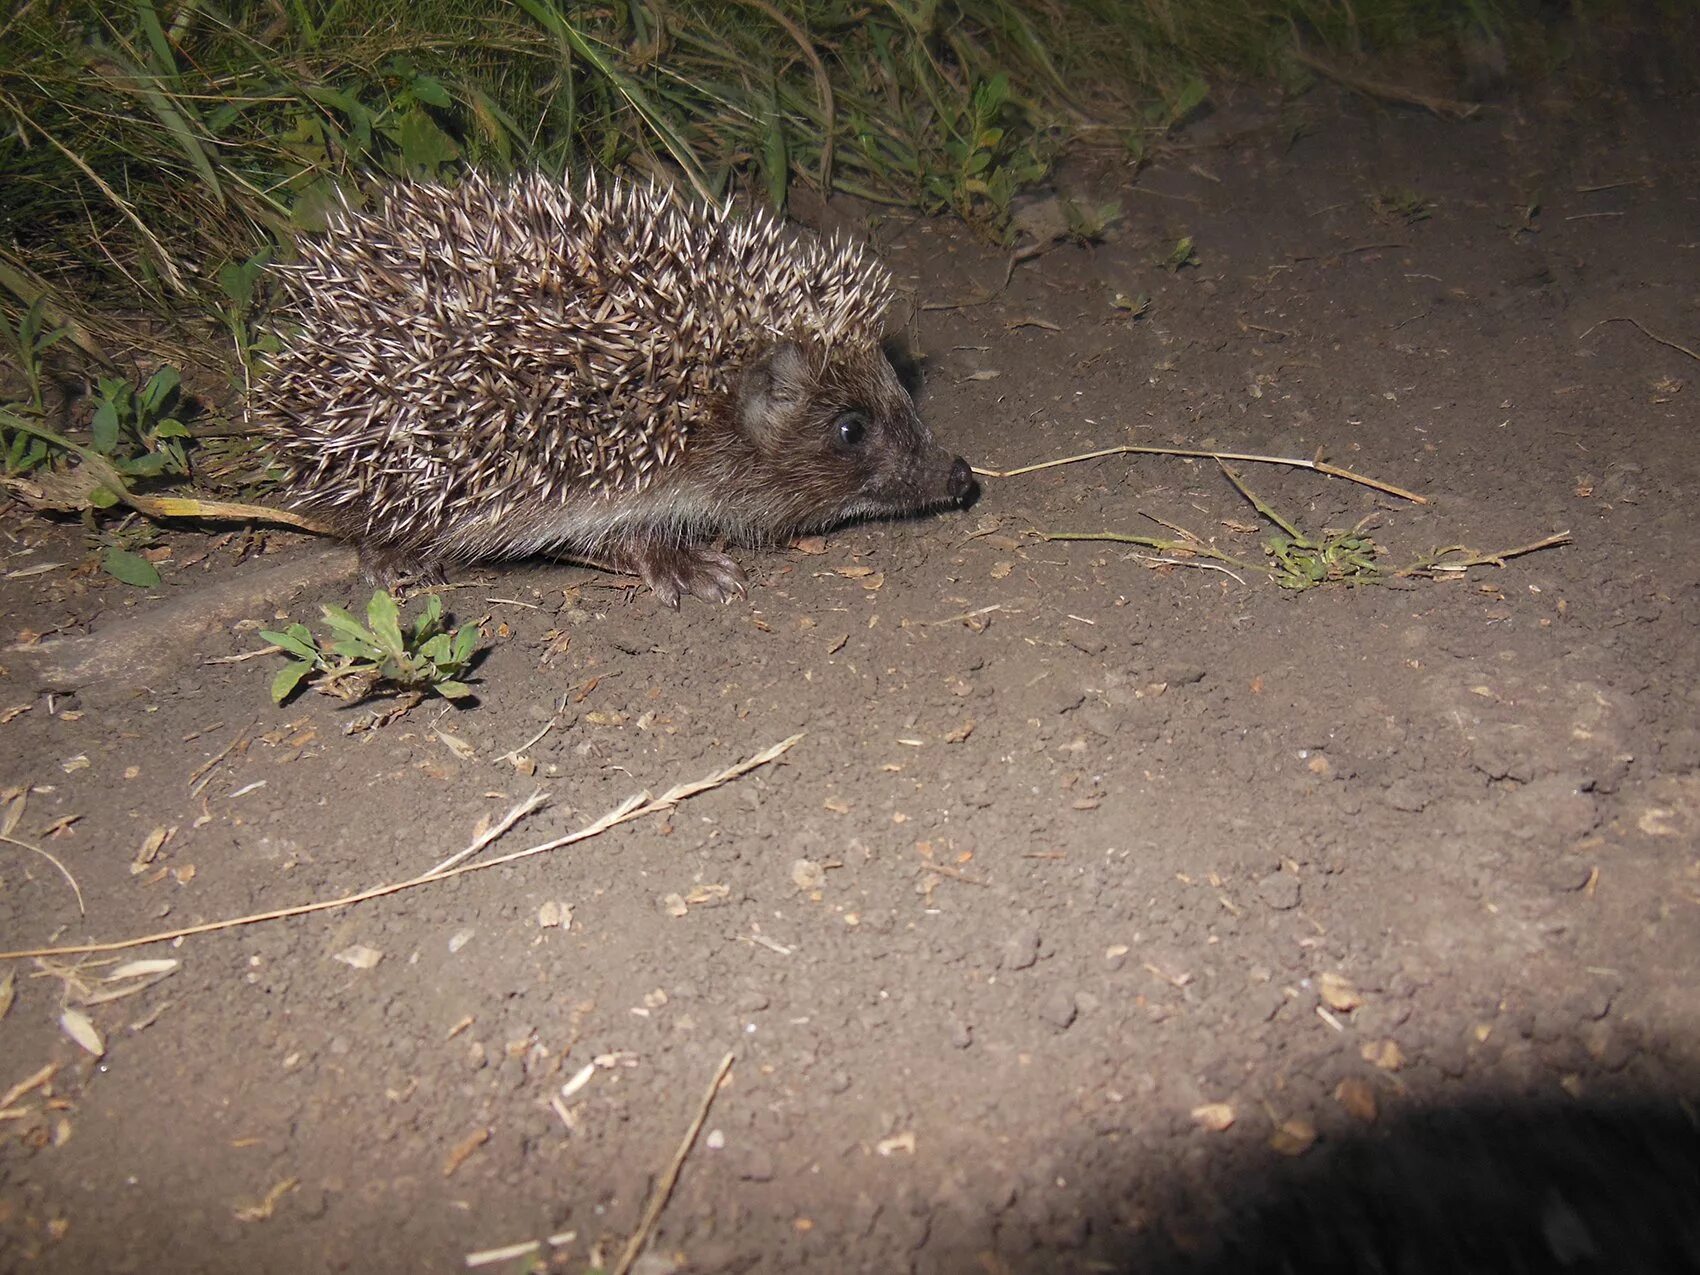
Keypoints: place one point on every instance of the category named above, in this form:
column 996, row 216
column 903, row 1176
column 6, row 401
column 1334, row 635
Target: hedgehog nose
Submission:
column 960, row 485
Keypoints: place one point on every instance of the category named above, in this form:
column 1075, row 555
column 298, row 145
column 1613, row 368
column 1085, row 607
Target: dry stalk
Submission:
column 1126, row 449
column 634, row 807
column 664, row 1188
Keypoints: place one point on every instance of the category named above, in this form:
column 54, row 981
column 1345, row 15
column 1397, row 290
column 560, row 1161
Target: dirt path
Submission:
column 1080, row 858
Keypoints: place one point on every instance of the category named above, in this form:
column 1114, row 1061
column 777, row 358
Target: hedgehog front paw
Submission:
column 387, row 567
column 672, row 571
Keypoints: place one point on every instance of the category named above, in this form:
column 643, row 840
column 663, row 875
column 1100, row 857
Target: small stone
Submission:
column 961, row 1035
column 1279, row 890
column 1058, row 1008
column 752, row 1001
column 1021, row 951
column 757, row 1166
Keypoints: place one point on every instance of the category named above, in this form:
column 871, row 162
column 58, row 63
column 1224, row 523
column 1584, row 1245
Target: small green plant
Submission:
column 137, row 429
column 21, row 448
column 1404, row 207
column 359, row 659
column 1181, row 255
column 1087, row 223
column 988, row 162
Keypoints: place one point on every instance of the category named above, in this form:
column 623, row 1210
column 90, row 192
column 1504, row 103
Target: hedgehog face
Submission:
column 836, row 437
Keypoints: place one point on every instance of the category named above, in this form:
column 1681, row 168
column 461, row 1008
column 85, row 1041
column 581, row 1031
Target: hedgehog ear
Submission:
column 770, row 387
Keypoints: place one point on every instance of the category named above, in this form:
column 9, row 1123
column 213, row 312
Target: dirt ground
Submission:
column 1109, row 914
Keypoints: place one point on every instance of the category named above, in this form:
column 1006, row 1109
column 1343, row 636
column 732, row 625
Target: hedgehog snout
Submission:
column 961, row 486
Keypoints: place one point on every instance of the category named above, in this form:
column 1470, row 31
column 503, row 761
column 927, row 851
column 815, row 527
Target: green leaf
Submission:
column 105, row 427
column 170, row 427
column 466, row 641
column 103, row 498
column 452, row 690
column 147, row 465
column 436, row 649
column 1188, row 100
column 385, row 618
column 160, row 385
column 356, row 640
column 428, row 620
column 287, row 679
column 429, row 90
column 296, row 640
column 424, row 147
column 131, row 568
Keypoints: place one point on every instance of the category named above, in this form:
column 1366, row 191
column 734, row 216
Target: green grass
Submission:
column 155, row 156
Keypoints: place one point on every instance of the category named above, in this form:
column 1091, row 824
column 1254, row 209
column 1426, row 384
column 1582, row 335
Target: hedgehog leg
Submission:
column 673, row 570
column 390, row 567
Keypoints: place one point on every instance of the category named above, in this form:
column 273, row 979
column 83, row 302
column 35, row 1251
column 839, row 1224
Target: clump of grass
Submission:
column 1299, row 561
column 360, row 660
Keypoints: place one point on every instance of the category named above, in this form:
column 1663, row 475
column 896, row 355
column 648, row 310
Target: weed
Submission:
column 21, row 448
column 1402, row 207
column 359, row 659
column 1181, row 255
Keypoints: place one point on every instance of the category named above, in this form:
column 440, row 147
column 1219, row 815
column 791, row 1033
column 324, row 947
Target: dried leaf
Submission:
column 8, row 992
column 961, row 733
column 904, row 1141
column 1214, row 1116
column 150, row 849
column 578, row 1080
column 461, row 1150
column 144, row 968
column 1293, row 1137
column 359, row 956
column 555, row 916
column 14, row 812
column 1357, row 1096
column 1384, row 1054
column 456, row 745
column 1338, row 993
column 77, row 1025
column 265, row 1208
column 806, row 874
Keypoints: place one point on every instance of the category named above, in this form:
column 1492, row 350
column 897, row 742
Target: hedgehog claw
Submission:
column 672, row 571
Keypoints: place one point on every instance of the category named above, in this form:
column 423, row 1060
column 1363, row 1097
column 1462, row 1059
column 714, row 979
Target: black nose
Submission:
column 961, row 485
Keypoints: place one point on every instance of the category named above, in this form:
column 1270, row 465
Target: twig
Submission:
column 1191, row 544
column 63, row 870
column 664, row 1188
column 634, row 807
column 1652, row 336
column 1188, row 562
column 1433, row 563
column 1125, row 449
column 1443, row 106
column 1263, row 507
column 519, row 811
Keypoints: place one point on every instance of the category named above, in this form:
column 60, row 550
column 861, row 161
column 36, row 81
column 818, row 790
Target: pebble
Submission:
column 1021, row 950
column 1058, row 1008
column 1280, row 890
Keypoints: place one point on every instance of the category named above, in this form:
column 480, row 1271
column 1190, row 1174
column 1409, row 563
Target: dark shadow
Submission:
column 1500, row 1188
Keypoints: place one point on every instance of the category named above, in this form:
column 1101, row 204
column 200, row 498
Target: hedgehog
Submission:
column 609, row 372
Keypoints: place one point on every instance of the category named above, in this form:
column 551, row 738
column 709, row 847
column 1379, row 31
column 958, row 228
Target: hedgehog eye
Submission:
column 850, row 427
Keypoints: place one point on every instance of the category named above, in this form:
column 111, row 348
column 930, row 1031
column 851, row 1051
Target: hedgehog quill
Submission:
column 611, row 373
